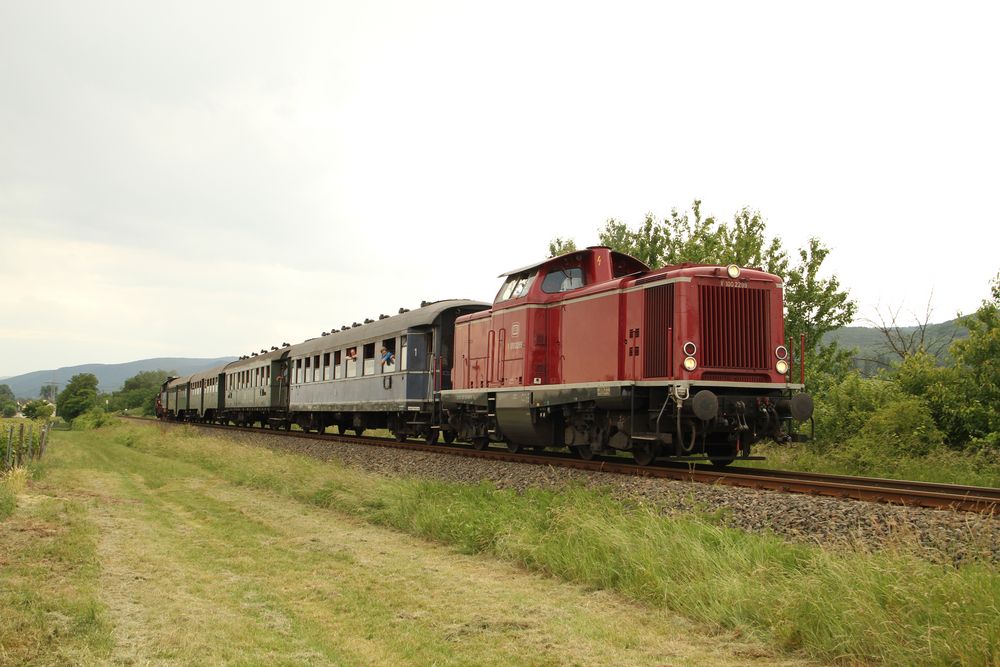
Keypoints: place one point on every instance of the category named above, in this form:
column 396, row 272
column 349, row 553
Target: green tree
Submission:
column 560, row 246
column 139, row 391
column 38, row 409
column 8, row 409
column 79, row 396
column 814, row 304
column 6, row 394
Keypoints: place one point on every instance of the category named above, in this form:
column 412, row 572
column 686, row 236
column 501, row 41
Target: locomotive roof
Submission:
column 615, row 255
column 381, row 328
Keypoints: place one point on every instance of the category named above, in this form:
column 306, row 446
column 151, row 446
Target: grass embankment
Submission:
column 852, row 607
column 940, row 465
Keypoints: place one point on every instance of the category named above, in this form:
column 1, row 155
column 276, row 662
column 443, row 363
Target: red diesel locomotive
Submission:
column 593, row 351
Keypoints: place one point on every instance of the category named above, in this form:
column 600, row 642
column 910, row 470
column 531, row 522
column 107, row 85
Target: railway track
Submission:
column 869, row 489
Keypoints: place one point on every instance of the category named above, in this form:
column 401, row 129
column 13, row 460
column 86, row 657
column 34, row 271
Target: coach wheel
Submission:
column 585, row 452
column 643, row 452
column 430, row 436
column 399, row 436
column 449, row 437
column 513, row 447
column 480, row 443
column 359, row 431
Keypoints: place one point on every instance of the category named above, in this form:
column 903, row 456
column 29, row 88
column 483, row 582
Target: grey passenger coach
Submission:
column 383, row 374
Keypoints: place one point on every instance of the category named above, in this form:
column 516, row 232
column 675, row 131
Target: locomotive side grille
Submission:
column 659, row 318
column 734, row 327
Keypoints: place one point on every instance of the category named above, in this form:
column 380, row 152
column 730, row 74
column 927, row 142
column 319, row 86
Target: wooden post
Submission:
column 44, row 439
column 31, row 441
column 10, row 447
column 20, row 445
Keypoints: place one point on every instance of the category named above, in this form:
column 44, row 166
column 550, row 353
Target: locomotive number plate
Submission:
column 735, row 283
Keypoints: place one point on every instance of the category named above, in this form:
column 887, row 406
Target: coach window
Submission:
column 352, row 362
column 338, row 370
column 326, row 366
column 369, row 359
column 387, row 359
column 308, row 374
column 563, row 280
column 316, row 376
column 298, row 370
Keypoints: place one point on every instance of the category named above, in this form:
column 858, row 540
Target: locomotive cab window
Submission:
column 563, row 280
column 515, row 286
column 402, row 353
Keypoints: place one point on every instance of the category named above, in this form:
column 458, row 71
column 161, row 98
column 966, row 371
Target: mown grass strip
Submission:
column 49, row 597
column 856, row 607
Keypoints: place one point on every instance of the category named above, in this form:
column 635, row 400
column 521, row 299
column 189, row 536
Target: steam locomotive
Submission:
column 590, row 351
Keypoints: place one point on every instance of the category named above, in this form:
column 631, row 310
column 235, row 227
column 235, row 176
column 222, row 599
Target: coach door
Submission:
column 279, row 384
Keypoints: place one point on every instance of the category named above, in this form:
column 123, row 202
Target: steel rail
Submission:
column 868, row 489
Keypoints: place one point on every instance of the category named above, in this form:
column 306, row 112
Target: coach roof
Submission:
column 386, row 327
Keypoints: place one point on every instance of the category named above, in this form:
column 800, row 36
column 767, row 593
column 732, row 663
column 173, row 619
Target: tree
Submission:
column 139, row 391
column 79, row 396
column 7, row 394
column 38, row 409
column 559, row 246
column 49, row 391
column 814, row 305
column 8, row 409
column 979, row 354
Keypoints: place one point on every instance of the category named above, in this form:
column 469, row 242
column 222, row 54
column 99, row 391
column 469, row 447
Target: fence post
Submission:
column 31, row 441
column 43, row 439
column 10, row 446
column 20, row 444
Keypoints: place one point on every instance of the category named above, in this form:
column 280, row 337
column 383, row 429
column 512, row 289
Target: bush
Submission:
column 868, row 418
column 93, row 418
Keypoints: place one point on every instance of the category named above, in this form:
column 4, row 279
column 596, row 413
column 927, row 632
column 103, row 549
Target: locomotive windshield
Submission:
column 516, row 286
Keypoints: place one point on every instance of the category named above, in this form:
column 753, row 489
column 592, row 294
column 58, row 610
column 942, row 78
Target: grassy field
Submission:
column 136, row 544
column 133, row 545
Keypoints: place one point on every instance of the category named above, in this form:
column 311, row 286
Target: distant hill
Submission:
column 874, row 353
column 110, row 377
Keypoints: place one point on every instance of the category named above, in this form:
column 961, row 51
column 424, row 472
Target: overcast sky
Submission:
column 204, row 179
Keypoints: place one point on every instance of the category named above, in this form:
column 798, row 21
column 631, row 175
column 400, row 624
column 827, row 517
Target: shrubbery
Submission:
column 93, row 418
column 918, row 408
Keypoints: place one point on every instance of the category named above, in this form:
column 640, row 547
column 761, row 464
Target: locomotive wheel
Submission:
column 431, row 436
column 644, row 453
column 399, row 436
column 513, row 447
column 585, row 452
column 449, row 437
column 480, row 443
column 721, row 463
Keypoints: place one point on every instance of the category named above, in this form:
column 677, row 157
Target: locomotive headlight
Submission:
column 781, row 366
column 690, row 349
column 690, row 363
column 733, row 271
column 781, row 352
